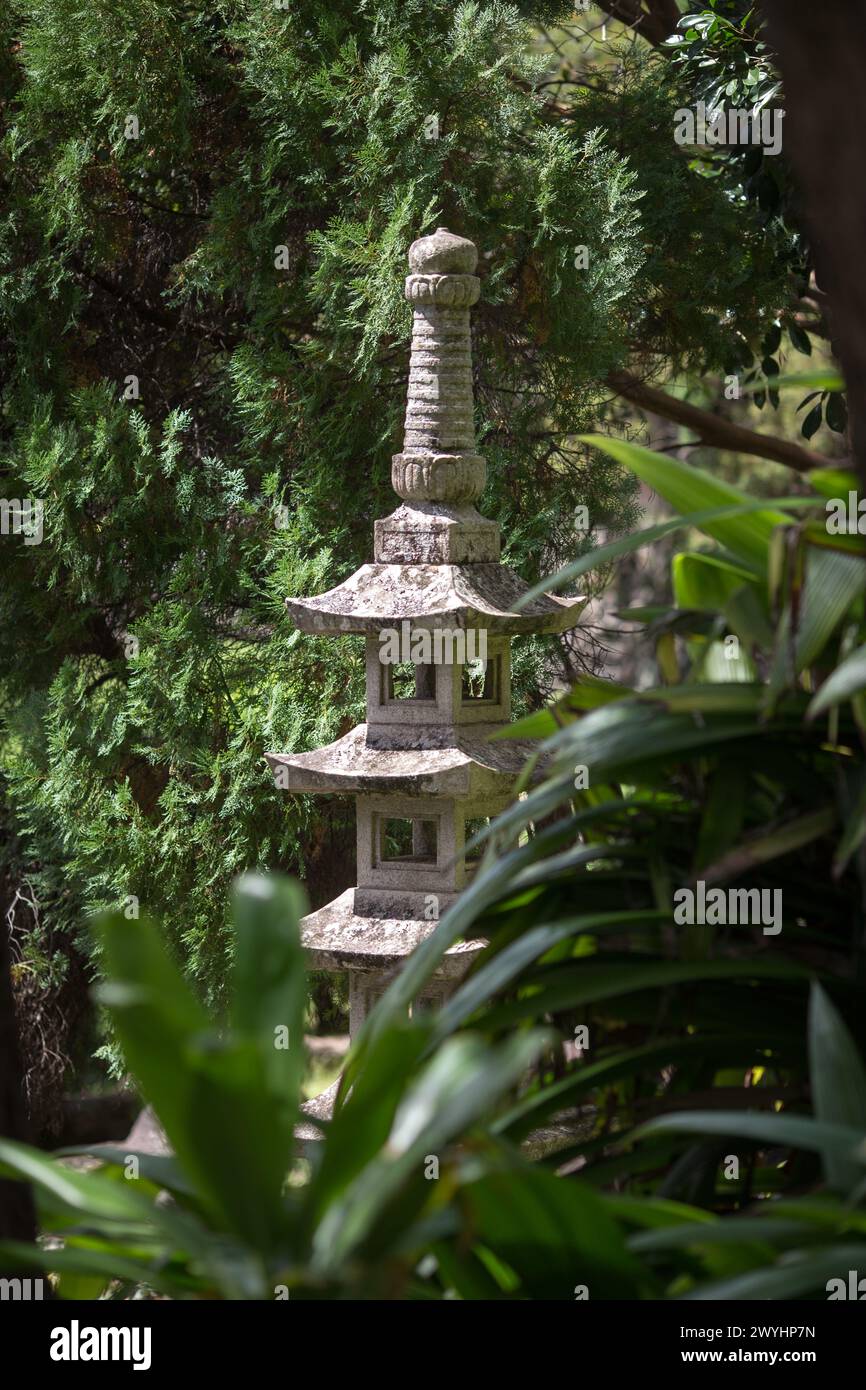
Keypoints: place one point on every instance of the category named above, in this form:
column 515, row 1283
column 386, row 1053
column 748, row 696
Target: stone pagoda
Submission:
column 422, row 768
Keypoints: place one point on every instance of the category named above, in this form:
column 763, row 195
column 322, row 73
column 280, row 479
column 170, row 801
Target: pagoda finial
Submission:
column 439, row 462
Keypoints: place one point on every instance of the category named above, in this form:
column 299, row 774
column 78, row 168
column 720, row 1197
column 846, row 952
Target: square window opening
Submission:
column 406, row 840
column 406, row 680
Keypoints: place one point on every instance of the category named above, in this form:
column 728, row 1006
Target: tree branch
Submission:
column 713, row 430
column 655, row 23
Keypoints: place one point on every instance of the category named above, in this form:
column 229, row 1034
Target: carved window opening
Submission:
column 406, row 680
column 406, row 840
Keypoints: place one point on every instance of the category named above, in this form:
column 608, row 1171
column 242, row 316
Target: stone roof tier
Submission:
column 337, row 938
column 468, row 766
column 377, row 596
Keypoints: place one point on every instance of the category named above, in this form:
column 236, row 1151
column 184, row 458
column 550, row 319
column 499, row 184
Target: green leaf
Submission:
column 571, row 986
column 833, row 583
column 837, row 412
column 88, row 1195
column 763, row 848
column 495, row 973
column 736, row 1230
column 724, row 811
column 689, row 489
column 853, row 834
column 791, row 1279
column 820, row 380
column 833, row 482
column 706, row 519
column 812, row 422
column 776, row 1130
column 706, row 582
column 847, row 679
column 460, row 1084
column 554, row 1233
column 838, row 1083
column 270, row 980
column 745, row 1048
column 361, row 1125
column 108, row 1264
column 210, row 1094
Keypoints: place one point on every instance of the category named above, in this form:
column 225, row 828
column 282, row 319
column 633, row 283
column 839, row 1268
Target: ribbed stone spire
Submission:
column 439, row 462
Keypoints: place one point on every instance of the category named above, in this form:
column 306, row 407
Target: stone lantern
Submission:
column 422, row 768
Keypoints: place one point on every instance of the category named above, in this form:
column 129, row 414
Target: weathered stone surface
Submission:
column 482, row 596
column 422, row 532
column 337, row 938
column 457, row 478
column 467, row 766
column 442, row 703
column 442, row 253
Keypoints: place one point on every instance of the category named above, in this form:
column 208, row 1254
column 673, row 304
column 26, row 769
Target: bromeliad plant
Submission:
column 742, row 769
column 245, row 1210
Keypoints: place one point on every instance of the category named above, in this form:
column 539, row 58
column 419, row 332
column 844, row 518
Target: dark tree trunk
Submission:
column 822, row 56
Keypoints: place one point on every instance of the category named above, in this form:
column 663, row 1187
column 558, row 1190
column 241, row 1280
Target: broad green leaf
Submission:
column 853, row 833
column 778, row 1130
column 160, row 1169
column 838, row 1083
column 762, row 849
column 270, row 982
column 733, row 1231
column 210, row 1094
column 691, row 490
column 108, row 1264
column 460, row 1085
column 89, row 1195
column 569, row 986
column 817, row 380
column 361, row 1125
column 833, row 582
column 847, row 679
column 744, row 1046
column 724, row 811
column 788, row 1279
column 497, row 972
column 706, row 518
column 833, row 482
column 706, row 582
column 554, row 1233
